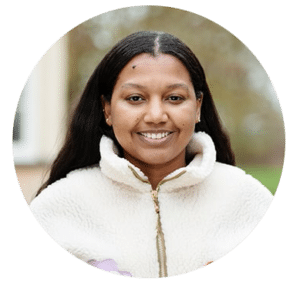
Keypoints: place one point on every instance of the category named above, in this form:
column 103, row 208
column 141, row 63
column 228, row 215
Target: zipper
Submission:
column 160, row 240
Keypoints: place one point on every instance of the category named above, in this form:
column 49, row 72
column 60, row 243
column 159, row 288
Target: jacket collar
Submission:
column 201, row 148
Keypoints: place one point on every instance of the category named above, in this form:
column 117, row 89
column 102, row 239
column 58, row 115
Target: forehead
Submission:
column 146, row 67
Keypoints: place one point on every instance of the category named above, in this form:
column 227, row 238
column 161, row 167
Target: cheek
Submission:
column 119, row 115
column 187, row 120
column 187, row 127
column 123, row 124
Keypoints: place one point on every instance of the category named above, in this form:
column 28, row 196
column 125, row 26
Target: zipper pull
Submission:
column 155, row 200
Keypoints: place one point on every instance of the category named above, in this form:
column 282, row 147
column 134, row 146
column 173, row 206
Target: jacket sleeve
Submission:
column 60, row 212
column 53, row 205
column 256, row 199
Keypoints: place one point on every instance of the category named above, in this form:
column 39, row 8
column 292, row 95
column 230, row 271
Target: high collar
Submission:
column 201, row 148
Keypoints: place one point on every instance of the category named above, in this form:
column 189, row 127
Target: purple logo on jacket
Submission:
column 108, row 265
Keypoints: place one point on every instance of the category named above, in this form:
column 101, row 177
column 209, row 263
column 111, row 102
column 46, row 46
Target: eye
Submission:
column 135, row 98
column 176, row 98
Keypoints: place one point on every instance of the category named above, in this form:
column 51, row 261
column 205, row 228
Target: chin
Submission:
column 159, row 160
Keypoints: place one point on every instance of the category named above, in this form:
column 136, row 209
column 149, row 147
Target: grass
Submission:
column 269, row 176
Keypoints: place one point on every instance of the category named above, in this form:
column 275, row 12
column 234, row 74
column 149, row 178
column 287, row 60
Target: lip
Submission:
column 155, row 131
column 155, row 142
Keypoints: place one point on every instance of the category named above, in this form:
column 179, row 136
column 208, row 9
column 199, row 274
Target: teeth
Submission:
column 156, row 136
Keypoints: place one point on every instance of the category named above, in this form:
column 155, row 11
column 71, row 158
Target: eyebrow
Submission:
column 178, row 85
column 171, row 86
column 135, row 85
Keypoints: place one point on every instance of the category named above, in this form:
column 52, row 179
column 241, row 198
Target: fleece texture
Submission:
column 107, row 212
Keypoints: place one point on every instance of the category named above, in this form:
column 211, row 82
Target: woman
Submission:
column 165, row 198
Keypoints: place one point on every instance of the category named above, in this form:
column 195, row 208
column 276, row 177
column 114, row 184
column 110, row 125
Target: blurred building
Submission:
column 40, row 119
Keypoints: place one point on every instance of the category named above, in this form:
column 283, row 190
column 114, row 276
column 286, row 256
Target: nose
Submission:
column 155, row 112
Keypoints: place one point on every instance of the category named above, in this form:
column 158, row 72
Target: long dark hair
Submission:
column 81, row 148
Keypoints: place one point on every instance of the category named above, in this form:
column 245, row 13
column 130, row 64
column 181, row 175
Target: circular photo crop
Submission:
column 148, row 142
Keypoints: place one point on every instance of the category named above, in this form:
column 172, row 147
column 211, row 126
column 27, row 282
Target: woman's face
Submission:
column 153, row 111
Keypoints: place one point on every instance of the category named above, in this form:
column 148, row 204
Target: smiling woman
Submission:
column 162, row 197
column 153, row 112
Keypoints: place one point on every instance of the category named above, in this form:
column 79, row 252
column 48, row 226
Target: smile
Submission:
column 156, row 136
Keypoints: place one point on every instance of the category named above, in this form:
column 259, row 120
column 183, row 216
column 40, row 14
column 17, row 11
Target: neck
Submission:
column 157, row 172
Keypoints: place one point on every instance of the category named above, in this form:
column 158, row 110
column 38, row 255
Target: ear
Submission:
column 106, row 110
column 199, row 100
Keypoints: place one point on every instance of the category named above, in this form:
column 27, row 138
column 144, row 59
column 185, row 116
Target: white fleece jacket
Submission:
column 107, row 211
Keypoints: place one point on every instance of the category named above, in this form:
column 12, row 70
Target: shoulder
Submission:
column 237, row 185
column 66, row 191
column 226, row 174
column 74, row 180
column 237, row 198
column 235, row 175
